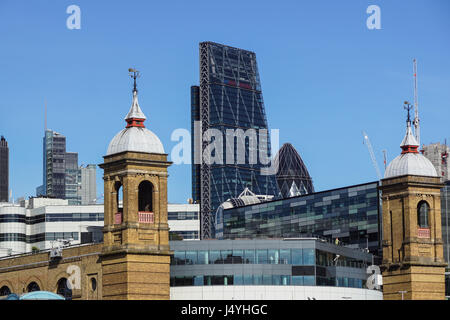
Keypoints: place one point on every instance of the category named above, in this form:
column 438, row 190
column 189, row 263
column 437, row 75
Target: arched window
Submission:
column 145, row 196
column 423, row 209
column 119, row 196
column 33, row 286
column 5, row 291
column 63, row 289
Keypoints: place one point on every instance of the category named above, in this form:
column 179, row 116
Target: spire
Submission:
column 409, row 143
column 135, row 117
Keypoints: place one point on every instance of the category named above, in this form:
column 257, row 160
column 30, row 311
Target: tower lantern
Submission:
column 136, row 253
column 413, row 266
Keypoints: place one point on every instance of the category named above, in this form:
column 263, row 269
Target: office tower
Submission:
column 71, row 178
column 438, row 155
column 4, row 170
column 195, row 117
column 292, row 176
column 54, row 170
column 229, row 100
column 87, row 184
column 60, row 170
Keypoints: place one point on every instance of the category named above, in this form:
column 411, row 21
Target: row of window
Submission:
column 247, row 256
column 58, row 217
column 184, row 235
column 48, row 236
column 268, row 280
column 190, row 215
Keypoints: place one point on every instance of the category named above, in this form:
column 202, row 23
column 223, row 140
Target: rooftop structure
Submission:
column 410, row 161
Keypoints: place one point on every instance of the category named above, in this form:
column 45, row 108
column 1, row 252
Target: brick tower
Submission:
column 136, row 254
column 413, row 265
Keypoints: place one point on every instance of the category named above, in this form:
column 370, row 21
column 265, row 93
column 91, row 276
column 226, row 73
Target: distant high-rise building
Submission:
column 72, row 178
column 438, row 155
column 229, row 99
column 87, row 184
column 63, row 178
column 4, row 170
column 54, row 166
column 292, row 176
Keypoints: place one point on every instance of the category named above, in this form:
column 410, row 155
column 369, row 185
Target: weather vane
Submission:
column 407, row 106
column 134, row 74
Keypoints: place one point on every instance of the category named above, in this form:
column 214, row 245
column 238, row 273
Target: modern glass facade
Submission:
column 351, row 214
column 304, row 262
column 72, row 178
column 4, row 170
column 230, row 98
column 292, row 176
column 54, row 170
column 195, row 116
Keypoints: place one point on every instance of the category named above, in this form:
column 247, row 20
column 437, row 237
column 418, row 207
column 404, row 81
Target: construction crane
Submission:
column 372, row 155
column 416, row 120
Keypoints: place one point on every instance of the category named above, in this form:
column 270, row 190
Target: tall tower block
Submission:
column 136, row 254
column 413, row 265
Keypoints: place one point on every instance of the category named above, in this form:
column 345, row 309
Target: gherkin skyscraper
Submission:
column 292, row 177
column 228, row 99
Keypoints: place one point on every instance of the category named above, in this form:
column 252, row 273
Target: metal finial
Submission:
column 407, row 106
column 134, row 74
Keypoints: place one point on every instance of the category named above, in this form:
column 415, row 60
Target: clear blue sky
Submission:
column 325, row 76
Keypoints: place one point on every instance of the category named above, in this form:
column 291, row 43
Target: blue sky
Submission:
column 325, row 76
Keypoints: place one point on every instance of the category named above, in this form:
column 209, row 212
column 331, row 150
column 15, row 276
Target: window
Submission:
column 191, row 257
column 423, row 210
column 33, row 286
column 5, row 291
column 285, row 256
column 63, row 289
column 145, row 196
column 203, row 257
column 261, row 256
column 249, row 256
column 297, row 257
column 309, row 257
column 93, row 284
column 273, row 256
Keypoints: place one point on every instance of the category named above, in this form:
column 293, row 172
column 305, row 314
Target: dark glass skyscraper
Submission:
column 4, row 170
column 229, row 98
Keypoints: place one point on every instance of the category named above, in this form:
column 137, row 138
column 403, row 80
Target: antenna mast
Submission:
column 416, row 120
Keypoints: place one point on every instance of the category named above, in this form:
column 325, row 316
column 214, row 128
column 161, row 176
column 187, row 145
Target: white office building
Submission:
column 40, row 223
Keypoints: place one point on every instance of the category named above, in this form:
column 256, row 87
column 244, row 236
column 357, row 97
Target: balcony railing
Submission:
column 145, row 217
column 423, row 233
column 118, row 218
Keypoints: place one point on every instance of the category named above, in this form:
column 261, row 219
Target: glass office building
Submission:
column 351, row 214
column 229, row 98
column 54, row 165
column 297, row 262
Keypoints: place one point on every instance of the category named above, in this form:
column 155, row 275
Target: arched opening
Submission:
column 423, row 210
column 63, row 289
column 119, row 196
column 33, row 286
column 145, row 197
column 5, row 291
